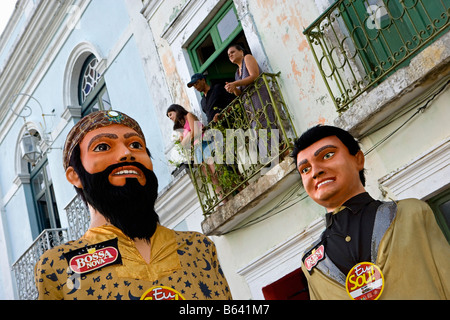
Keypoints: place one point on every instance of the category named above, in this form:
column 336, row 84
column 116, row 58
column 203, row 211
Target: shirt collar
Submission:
column 354, row 205
column 358, row 202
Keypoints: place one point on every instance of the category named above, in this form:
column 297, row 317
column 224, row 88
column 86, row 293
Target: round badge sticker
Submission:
column 162, row 293
column 364, row 281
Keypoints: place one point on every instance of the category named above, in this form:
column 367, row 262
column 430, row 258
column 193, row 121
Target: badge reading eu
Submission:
column 162, row 293
column 364, row 281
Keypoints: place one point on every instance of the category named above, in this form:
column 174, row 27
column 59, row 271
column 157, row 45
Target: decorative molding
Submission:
column 280, row 260
column 184, row 16
column 177, row 201
column 22, row 178
column 150, row 8
column 423, row 176
column 71, row 112
column 28, row 50
column 31, row 59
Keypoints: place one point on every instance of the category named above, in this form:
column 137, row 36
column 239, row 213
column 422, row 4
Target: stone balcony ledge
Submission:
column 252, row 198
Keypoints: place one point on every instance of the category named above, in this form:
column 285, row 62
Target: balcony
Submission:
column 24, row 267
column 252, row 136
column 359, row 43
column 78, row 218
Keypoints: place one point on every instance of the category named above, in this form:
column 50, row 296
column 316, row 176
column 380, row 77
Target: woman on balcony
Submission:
column 256, row 100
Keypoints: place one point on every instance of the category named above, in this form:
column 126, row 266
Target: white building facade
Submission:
column 59, row 60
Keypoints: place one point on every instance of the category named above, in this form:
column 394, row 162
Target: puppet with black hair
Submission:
column 369, row 249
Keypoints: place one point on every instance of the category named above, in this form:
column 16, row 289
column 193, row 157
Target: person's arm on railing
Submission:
column 253, row 70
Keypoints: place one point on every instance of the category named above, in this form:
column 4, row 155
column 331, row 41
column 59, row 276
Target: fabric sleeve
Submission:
column 47, row 279
column 219, row 272
column 415, row 254
column 439, row 247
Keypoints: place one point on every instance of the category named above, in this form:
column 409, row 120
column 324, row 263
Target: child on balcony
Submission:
column 192, row 128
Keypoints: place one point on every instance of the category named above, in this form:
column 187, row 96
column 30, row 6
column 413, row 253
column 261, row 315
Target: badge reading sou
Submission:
column 365, row 281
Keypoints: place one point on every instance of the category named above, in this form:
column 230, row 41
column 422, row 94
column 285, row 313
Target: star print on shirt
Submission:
column 205, row 289
column 90, row 291
column 198, row 276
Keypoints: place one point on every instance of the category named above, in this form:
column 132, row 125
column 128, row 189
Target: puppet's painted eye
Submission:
column 136, row 145
column 102, row 147
column 328, row 155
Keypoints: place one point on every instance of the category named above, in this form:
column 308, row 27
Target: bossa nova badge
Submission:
column 94, row 257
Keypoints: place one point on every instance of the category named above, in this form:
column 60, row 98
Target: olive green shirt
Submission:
column 410, row 249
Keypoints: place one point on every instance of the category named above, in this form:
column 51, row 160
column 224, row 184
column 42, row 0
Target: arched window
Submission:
column 89, row 77
column 92, row 92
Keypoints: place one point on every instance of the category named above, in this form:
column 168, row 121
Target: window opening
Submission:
column 292, row 286
column 89, row 77
column 44, row 197
column 208, row 51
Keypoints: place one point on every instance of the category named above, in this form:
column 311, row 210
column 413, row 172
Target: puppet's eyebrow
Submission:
column 304, row 161
column 318, row 151
column 131, row 134
column 323, row 148
column 100, row 136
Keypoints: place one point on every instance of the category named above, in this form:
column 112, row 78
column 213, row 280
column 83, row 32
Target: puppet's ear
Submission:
column 73, row 177
column 360, row 160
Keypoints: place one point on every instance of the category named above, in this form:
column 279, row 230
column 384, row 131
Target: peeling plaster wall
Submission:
column 164, row 16
column 174, row 66
column 281, row 24
column 239, row 248
column 424, row 131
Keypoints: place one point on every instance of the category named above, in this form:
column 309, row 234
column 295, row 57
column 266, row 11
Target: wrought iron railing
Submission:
column 24, row 267
column 357, row 43
column 78, row 217
column 250, row 137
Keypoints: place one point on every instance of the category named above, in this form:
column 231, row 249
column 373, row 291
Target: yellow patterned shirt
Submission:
column 105, row 264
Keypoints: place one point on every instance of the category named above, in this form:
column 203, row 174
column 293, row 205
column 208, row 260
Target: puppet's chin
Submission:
column 129, row 207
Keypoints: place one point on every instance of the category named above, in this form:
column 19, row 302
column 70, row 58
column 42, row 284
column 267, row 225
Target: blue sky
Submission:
column 6, row 9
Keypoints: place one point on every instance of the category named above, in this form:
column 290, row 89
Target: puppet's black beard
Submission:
column 131, row 207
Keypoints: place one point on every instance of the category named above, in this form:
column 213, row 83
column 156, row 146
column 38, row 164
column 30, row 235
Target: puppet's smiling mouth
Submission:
column 320, row 184
column 127, row 171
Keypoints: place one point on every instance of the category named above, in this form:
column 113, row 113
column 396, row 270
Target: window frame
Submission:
column 211, row 29
column 435, row 203
column 48, row 193
column 85, row 67
column 97, row 92
column 95, row 97
column 383, row 45
column 343, row 66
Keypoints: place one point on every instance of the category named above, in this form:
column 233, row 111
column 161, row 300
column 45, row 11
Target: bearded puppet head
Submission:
column 106, row 159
